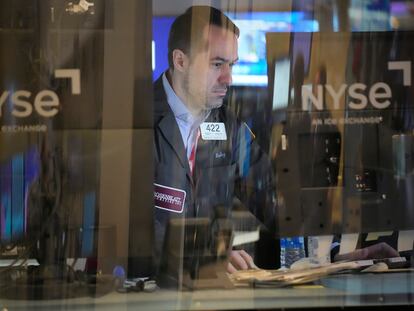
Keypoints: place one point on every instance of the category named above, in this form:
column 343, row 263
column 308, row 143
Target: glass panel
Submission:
column 75, row 167
column 149, row 160
column 316, row 156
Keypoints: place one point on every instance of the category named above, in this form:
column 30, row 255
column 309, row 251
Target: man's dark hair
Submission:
column 187, row 29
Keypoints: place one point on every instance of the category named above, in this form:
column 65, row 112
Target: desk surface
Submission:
column 336, row 291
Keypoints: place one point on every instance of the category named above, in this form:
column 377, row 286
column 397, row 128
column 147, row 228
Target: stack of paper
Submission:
column 280, row 278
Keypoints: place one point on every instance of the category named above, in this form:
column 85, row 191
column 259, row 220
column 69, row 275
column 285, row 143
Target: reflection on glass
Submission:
column 322, row 90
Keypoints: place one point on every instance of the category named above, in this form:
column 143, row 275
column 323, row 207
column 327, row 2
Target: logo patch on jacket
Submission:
column 220, row 155
column 170, row 199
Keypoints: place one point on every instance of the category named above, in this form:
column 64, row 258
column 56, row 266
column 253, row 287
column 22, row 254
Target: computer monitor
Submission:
column 195, row 253
column 251, row 68
column 161, row 26
column 17, row 174
column 344, row 152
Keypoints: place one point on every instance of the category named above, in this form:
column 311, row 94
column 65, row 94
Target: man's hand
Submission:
column 376, row 251
column 240, row 260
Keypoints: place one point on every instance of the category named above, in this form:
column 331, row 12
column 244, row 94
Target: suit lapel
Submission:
column 165, row 120
column 172, row 135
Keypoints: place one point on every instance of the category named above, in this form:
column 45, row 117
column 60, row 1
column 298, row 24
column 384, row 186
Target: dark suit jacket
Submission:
column 224, row 170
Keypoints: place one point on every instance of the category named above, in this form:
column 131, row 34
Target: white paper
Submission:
column 348, row 243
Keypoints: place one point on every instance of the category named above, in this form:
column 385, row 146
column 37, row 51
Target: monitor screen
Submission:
column 251, row 69
column 17, row 173
column 160, row 29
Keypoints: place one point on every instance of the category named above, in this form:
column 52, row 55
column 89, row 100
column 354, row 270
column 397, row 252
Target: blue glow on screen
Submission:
column 251, row 69
column 17, row 175
column 160, row 29
column 89, row 208
column 252, row 66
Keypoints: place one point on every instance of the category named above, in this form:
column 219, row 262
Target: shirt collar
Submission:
column 177, row 106
column 179, row 109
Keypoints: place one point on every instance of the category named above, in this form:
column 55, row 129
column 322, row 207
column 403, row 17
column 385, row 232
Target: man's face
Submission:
column 209, row 72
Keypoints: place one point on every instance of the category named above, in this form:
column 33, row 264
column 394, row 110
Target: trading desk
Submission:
column 347, row 290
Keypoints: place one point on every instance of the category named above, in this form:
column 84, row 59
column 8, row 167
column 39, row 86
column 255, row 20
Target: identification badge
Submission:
column 169, row 199
column 213, row 131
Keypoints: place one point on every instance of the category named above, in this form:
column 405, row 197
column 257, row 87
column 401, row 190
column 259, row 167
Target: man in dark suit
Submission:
column 205, row 159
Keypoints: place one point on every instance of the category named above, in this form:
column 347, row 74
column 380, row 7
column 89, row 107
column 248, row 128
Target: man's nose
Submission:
column 226, row 75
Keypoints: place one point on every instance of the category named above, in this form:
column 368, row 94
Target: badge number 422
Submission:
column 213, row 131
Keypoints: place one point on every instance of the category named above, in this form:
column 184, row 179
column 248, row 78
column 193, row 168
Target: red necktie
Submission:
column 191, row 160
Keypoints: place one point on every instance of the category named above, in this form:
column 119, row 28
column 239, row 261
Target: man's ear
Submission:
column 180, row 60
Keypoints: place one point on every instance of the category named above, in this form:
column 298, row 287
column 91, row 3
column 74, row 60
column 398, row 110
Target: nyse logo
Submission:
column 379, row 94
column 46, row 102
